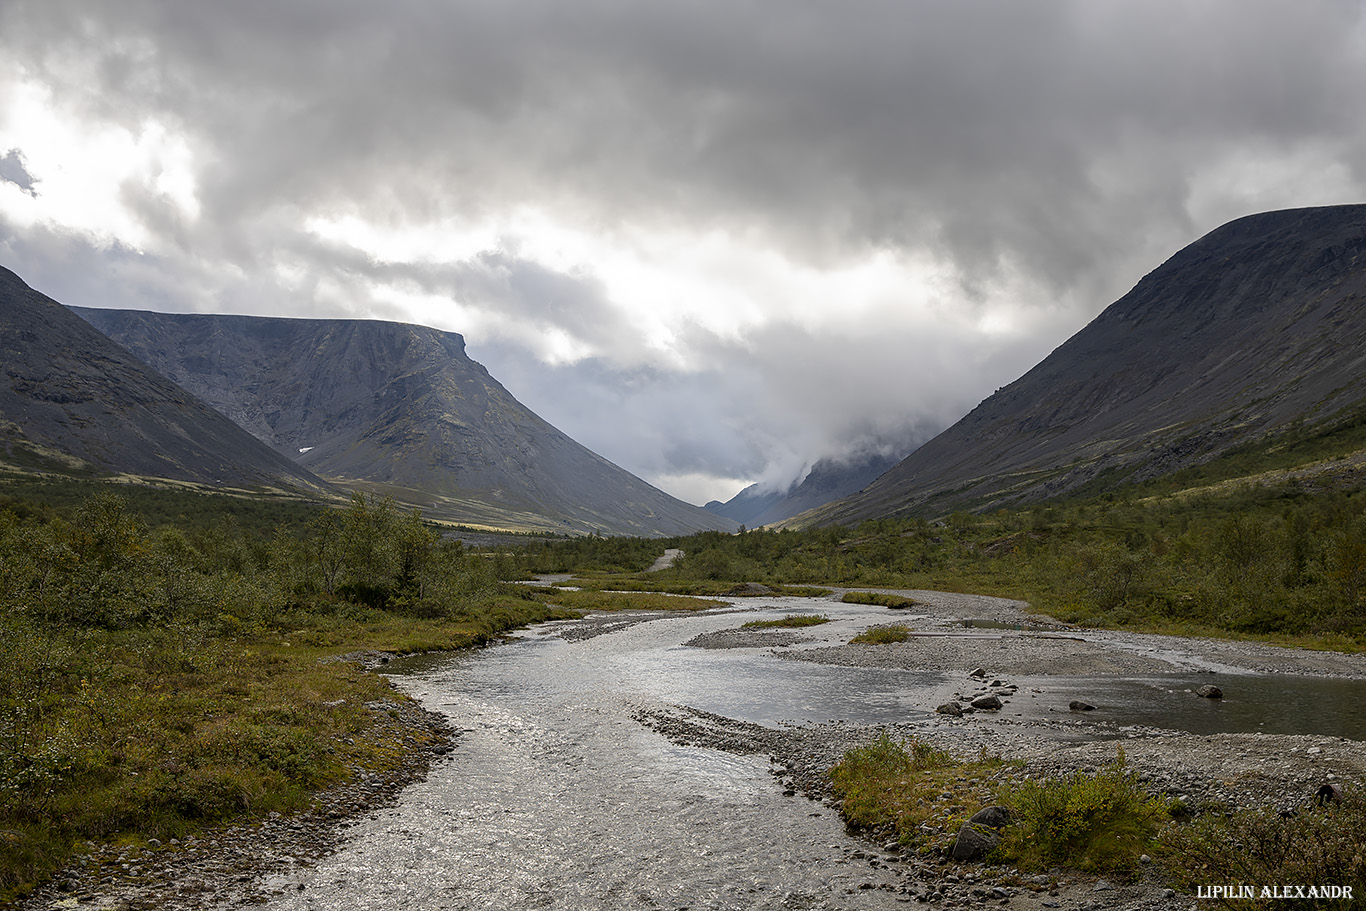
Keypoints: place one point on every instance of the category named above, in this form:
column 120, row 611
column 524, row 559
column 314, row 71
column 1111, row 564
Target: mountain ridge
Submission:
column 402, row 409
column 73, row 400
column 1254, row 328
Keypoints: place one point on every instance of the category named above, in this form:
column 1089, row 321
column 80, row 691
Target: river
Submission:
column 556, row 798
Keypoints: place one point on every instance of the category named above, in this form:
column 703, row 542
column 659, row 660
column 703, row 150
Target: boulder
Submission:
column 1077, row 705
column 974, row 843
column 995, row 817
column 950, row 708
column 987, row 702
column 1210, row 691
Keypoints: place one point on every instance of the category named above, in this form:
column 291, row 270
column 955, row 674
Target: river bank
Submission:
column 362, row 845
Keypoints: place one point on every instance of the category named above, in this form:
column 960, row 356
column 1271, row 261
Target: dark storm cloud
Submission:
column 1050, row 152
column 976, row 126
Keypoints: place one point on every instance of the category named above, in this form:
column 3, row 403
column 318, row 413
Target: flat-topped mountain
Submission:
column 1256, row 329
column 71, row 399
column 401, row 409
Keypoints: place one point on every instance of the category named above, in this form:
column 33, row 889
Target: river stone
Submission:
column 987, row 702
column 950, row 708
column 1210, row 691
column 978, row 672
column 995, row 817
column 1077, row 705
column 973, row 843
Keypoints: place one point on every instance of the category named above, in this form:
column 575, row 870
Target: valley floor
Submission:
column 1247, row 769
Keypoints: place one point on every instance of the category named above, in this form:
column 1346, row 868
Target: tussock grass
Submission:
column 882, row 635
column 791, row 621
column 882, row 599
column 912, row 789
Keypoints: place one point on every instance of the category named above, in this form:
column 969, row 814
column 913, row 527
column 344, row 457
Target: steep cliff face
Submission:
column 1255, row 328
column 72, row 399
column 402, row 407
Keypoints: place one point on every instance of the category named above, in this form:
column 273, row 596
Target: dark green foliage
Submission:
column 1265, row 559
column 1317, row 846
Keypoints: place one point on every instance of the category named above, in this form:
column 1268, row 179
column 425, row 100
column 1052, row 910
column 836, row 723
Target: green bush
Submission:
column 1100, row 823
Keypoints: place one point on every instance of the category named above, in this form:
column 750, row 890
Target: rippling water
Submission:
column 555, row 798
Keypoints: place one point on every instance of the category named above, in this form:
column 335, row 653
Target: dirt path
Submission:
column 666, row 560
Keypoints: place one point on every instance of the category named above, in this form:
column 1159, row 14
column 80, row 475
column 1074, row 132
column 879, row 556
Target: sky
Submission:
column 711, row 241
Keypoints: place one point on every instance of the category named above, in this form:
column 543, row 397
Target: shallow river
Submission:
column 556, row 798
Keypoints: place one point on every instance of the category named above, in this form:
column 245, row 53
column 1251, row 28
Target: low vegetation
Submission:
column 912, row 790
column 1102, row 822
column 1320, row 846
column 882, row 635
column 791, row 621
column 880, row 599
column 156, row 679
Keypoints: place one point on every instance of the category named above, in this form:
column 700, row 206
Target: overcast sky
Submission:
column 712, row 241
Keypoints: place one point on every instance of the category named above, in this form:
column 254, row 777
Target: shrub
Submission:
column 1100, row 823
column 1320, row 846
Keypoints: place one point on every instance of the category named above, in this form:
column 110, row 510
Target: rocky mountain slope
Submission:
column 400, row 409
column 72, row 400
column 828, row 479
column 1256, row 329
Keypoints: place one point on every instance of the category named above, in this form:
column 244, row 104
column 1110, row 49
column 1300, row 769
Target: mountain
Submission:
column 828, row 479
column 1255, row 330
column 403, row 410
column 70, row 399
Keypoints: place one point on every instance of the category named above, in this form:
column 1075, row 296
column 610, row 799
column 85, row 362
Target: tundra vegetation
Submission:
column 169, row 660
column 167, row 657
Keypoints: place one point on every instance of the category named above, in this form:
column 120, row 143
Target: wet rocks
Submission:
column 1210, row 691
